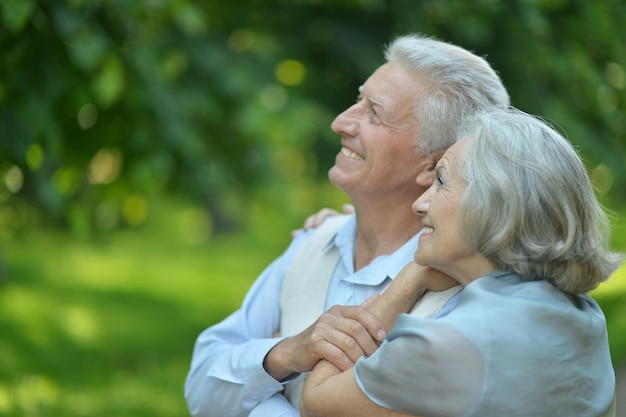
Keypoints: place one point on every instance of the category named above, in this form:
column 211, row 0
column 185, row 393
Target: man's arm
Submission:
column 275, row 406
column 341, row 335
column 342, row 397
column 237, row 364
column 226, row 376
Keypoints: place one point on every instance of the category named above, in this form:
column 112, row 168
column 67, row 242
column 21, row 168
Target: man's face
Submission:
column 378, row 137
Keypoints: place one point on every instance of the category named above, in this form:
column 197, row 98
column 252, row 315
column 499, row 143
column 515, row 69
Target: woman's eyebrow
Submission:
column 440, row 169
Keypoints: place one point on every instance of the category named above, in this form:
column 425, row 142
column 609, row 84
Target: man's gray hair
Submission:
column 457, row 82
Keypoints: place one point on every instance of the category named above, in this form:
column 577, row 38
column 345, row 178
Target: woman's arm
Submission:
column 328, row 393
column 331, row 392
column 406, row 289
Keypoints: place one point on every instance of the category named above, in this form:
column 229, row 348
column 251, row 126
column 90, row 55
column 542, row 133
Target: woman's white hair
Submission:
column 529, row 206
column 456, row 81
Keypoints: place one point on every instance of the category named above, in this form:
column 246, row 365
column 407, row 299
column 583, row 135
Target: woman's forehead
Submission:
column 452, row 156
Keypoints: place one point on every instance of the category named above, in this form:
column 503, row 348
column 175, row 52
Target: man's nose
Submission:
column 347, row 122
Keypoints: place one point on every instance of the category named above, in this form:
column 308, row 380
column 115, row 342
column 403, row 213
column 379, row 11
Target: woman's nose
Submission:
column 421, row 205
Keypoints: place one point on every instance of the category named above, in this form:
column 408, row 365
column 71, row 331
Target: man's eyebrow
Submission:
column 371, row 99
column 376, row 102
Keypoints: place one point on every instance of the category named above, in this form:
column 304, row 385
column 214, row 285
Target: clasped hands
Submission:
column 345, row 333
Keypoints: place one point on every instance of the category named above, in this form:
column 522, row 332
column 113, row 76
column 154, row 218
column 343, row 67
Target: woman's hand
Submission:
column 318, row 218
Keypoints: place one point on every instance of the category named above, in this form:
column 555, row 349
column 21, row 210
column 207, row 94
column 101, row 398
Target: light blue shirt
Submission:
column 227, row 377
column 508, row 347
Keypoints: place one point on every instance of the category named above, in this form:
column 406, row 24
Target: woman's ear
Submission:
column 426, row 176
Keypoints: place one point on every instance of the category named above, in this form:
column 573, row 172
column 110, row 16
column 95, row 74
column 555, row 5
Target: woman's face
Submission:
column 442, row 245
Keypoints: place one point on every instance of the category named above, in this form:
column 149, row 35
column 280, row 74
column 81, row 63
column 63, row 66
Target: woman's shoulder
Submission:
column 501, row 301
column 508, row 290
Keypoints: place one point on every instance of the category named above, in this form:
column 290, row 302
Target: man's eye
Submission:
column 439, row 180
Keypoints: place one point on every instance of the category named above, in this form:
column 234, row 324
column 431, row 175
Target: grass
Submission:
column 106, row 328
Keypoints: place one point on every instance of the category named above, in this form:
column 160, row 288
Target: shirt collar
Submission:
column 381, row 268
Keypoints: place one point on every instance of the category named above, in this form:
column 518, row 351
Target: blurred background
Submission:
column 155, row 155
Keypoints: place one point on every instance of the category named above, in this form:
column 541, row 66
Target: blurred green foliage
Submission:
column 105, row 105
column 106, row 328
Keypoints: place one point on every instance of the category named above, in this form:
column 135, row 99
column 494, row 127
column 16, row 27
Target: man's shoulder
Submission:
column 325, row 231
column 320, row 237
column 333, row 222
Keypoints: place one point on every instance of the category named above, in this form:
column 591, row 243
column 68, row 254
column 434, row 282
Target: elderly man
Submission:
column 391, row 139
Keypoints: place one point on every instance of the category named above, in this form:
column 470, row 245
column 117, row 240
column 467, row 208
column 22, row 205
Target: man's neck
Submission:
column 382, row 232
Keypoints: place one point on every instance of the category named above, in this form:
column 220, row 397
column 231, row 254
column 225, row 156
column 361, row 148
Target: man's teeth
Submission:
column 427, row 229
column 351, row 155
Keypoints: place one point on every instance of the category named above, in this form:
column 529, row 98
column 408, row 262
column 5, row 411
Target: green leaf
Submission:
column 109, row 84
column 16, row 13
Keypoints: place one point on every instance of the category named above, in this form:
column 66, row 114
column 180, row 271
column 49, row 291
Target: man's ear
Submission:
column 426, row 176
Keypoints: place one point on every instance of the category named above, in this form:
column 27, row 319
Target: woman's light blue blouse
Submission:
column 508, row 348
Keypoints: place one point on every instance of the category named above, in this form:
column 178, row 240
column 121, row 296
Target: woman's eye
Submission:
column 440, row 182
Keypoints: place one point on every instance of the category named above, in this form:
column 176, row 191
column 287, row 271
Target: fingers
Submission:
column 347, row 333
column 347, row 208
column 317, row 218
column 341, row 335
column 337, row 356
column 314, row 220
column 367, row 320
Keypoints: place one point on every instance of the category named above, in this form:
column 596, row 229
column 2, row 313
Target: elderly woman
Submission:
column 512, row 216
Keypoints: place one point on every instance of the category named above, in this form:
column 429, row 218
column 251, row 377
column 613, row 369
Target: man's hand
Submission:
column 341, row 335
column 316, row 219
